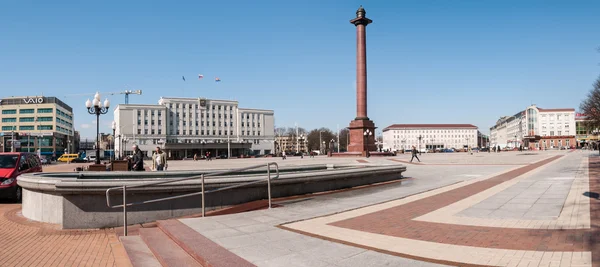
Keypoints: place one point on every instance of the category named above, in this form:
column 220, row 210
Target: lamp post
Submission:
column 125, row 141
column 515, row 141
column 320, row 141
column 420, row 137
column 366, row 134
column 114, row 127
column 298, row 143
column 322, row 148
column 96, row 108
column 202, row 143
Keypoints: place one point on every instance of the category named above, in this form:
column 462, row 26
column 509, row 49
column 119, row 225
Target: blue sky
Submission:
column 428, row 61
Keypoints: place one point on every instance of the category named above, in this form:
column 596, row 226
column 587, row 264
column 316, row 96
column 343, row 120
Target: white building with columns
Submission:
column 184, row 127
column 429, row 136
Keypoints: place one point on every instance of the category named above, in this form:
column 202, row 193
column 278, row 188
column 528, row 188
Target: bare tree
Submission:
column 317, row 136
column 591, row 108
column 344, row 136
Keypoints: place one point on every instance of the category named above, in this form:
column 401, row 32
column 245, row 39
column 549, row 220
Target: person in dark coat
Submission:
column 138, row 159
column 414, row 154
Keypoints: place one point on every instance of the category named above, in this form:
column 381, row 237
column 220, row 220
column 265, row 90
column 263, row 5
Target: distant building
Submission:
column 584, row 135
column 184, row 127
column 429, row 136
column 36, row 123
column 536, row 128
column 290, row 144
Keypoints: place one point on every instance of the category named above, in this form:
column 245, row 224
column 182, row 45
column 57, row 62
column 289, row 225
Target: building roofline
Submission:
column 430, row 126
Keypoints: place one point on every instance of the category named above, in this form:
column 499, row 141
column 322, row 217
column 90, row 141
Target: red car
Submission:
column 11, row 166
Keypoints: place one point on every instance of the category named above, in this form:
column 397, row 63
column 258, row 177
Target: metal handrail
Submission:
column 202, row 192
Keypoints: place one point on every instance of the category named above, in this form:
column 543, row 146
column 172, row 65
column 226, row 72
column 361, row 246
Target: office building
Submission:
column 36, row 123
column 429, row 136
column 535, row 128
column 184, row 127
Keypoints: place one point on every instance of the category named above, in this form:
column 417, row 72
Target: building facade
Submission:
column 291, row 144
column 429, row 136
column 536, row 128
column 36, row 124
column 185, row 127
column 585, row 135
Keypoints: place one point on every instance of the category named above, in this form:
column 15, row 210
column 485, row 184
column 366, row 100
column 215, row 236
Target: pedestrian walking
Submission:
column 159, row 160
column 283, row 156
column 138, row 159
column 195, row 157
column 414, row 154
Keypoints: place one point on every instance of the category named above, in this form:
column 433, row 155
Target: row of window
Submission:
column 60, row 113
column 27, row 127
column 64, row 130
column 432, row 131
column 195, row 106
column 27, row 119
column 436, row 136
column 27, row 111
column 64, row 122
column 202, row 132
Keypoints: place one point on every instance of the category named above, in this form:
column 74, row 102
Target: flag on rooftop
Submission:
column 200, row 76
column 217, row 79
column 182, row 77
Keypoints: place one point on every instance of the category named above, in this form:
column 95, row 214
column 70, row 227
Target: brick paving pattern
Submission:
column 397, row 222
column 27, row 243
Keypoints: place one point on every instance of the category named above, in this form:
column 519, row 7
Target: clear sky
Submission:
column 428, row 61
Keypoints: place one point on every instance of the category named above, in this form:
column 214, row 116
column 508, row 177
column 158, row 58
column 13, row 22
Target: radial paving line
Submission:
column 391, row 228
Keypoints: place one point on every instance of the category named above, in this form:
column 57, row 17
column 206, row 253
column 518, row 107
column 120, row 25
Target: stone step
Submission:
column 166, row 250
column 138, row 252
column 204, row 250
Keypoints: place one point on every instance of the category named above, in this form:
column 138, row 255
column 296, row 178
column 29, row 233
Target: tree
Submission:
column 317, row 136
column 344, row 136
column 591, row 108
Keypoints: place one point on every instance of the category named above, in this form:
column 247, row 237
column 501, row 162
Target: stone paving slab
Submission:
column 255, row 236
column 389, row 227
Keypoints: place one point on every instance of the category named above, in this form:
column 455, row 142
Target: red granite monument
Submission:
column 361, row 143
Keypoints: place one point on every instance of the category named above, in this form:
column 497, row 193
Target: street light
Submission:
column 367, row 133
column 322, row 148
column 96, row 108
column 114, row 127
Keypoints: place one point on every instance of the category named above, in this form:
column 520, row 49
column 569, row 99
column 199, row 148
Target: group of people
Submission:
column 207, row 155
column 159, row 160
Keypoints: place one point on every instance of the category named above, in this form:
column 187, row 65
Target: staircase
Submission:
column 173, row 243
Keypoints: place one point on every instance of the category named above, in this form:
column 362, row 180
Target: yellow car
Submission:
column 68, row 157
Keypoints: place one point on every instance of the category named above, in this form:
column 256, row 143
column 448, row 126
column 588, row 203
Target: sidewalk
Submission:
column 27, row 243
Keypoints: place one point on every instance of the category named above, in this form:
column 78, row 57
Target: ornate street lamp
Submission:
column 367, row 133
column 96, row 108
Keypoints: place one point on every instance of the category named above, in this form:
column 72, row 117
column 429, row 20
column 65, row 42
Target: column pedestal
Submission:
column 358, row 141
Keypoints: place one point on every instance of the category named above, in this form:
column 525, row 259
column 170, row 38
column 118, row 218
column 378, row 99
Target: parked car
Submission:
column 11, row 166
column 45, row 161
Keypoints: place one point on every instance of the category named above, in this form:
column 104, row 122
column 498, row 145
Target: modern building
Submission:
column 535, row 128
column 429, row 136
column 584, row 135
column 483, row 140
column 36, row 123
column 184, row 127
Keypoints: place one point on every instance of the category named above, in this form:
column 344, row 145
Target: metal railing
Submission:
column 202, row 192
